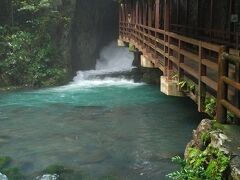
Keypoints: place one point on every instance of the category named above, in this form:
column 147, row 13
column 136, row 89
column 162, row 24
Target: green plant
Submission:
column 28, row 49
column 187, row 85
column 205, row 138
column 210, row 106
column 209, row 164
column 131, row 48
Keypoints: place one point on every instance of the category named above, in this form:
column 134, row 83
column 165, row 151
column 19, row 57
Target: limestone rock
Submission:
column 220, row 141
column 204, row 127
column 235, row 168
column 48, row 177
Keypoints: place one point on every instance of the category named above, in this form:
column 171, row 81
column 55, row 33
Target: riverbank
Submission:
column 213, row 153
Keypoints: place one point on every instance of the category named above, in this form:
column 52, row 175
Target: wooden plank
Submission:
column 160, row 41
column 234, row 52
column 210, row 64
column 189, row 70
column 184, row 39
column 190, row 55
column 175, row 48
column 231, row 58
column 160, row 51
column 173, row 59
column 231, row 82
column 231, row 108
column 209, row 82
column 211, row 46
column 160, row 31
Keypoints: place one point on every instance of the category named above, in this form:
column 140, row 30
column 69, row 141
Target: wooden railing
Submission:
column 230, row 39
column 177, row 53
column 225, row 82
column 186, row 56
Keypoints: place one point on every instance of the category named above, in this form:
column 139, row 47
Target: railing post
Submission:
column 201, row 85
column 157, row 12
column 167, row 15
column 237, row 92
column 222, row 91
column 180, row 61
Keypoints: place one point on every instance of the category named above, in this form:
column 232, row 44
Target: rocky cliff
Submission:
column 94, row 24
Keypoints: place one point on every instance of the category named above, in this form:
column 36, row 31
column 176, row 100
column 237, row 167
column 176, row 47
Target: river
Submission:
column 100, row 127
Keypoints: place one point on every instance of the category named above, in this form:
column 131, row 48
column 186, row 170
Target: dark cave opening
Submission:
column 94, row 25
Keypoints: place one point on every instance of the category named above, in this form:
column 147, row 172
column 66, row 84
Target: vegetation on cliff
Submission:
column 29, row 55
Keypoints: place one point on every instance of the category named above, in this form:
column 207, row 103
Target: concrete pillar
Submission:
column 170, row 87
column 121, row 43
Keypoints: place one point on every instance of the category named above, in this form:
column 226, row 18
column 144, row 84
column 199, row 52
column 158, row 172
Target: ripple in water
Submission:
column 100, row 127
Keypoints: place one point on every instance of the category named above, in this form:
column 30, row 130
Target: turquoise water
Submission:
column 102, row 129
column 99, row 128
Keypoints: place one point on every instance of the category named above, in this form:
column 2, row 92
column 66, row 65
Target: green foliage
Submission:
column 210, row 106
column 54, row 169
column 187, row 85
column 209, row 164
column 4, row 162
column 29, row 55
column 11, row 173
column 131, row 48
column 205, row 138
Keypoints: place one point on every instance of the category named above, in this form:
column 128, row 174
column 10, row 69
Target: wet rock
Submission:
column 220, row 141
column 4, row 162
column 14, row 174
column 151, row 75
column 235, row 168
column 48, row 177
column 204, row 127
column 3, row 177
column 54, row 169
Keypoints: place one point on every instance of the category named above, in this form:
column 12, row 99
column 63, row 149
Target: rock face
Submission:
column 207, row 135
column 94, row 25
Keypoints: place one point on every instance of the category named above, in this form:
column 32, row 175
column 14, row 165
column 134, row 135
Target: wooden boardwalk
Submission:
column 205, row 63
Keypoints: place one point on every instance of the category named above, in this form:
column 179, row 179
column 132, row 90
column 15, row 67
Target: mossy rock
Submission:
column 4, row 162
column 56, row 169
column 13, row 174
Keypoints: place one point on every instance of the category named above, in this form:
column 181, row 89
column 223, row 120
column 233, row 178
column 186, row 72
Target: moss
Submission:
column 132, row 48
column 56, row 169
column 4, row 162
column 13, row 174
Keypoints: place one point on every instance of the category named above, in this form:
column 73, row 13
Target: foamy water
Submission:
column 112, row 60
column 100, row 128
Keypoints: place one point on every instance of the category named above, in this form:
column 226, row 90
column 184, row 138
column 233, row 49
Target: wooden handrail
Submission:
column 147, row 39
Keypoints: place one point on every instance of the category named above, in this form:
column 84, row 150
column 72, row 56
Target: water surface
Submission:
column 109, row 128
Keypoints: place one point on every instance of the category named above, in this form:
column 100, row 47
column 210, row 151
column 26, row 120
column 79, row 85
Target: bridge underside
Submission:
column 148, row 26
